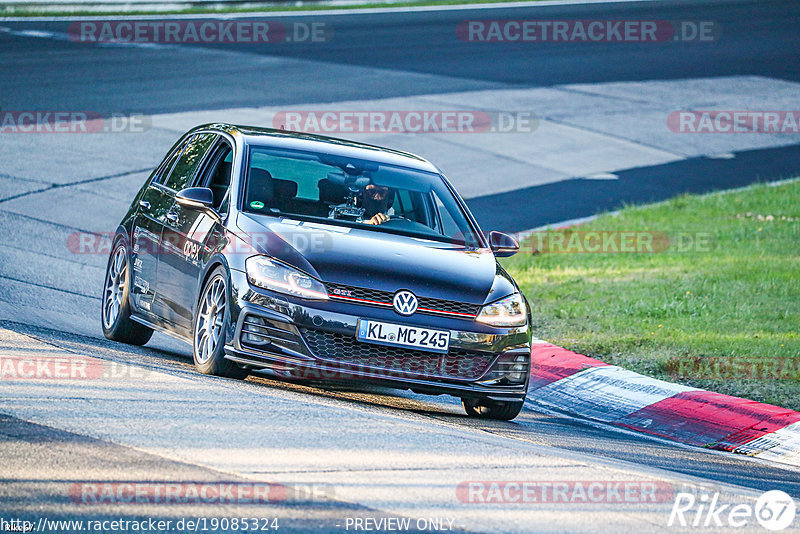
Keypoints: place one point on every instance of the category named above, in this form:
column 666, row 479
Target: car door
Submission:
column 148, row 224
column 183, row 237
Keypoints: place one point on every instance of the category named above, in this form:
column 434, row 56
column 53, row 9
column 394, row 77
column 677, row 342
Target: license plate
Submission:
column 397, row 335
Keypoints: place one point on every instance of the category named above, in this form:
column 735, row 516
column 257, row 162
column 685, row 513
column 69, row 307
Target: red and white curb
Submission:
column 578, row 385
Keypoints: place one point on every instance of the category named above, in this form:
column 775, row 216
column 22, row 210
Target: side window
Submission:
column 222, row 209
column 168, row 163
column 402, row 204
column 445, row 223
column 411, row 205
column 216, row 174
column 187, row 164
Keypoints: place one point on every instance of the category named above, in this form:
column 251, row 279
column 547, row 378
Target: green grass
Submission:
column 34, row 10
column 667, row 314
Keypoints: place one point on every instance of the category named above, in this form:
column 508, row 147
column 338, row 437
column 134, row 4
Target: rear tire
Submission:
column 209, row 326
column 489, row 409
column 115, row 312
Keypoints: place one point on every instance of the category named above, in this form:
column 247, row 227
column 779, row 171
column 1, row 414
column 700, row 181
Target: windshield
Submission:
column 355, row 193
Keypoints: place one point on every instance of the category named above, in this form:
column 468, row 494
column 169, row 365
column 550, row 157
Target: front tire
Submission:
column 209, row 326
column 489, row 409
column 115, row 316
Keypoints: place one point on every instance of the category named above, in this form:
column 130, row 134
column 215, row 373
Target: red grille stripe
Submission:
column 360, row 300
column 457, row 314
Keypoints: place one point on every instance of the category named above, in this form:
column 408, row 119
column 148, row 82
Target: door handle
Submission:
column 144, row 204
column 172, row 216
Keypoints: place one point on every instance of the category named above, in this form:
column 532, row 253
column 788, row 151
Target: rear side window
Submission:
column 190, row 159
column 166, row 166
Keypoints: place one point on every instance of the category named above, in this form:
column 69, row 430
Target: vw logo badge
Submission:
column 405, row 303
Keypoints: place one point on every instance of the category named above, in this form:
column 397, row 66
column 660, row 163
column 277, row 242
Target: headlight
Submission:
column 510, row 311
column 269, row 274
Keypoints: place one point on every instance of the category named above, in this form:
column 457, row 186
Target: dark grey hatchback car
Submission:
column 319, row 259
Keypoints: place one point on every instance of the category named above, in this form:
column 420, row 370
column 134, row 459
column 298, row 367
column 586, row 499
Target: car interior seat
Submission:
column 284, row 193
column 260, row 187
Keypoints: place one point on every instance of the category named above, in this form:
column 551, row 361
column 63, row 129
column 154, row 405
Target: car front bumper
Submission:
column 316, row 340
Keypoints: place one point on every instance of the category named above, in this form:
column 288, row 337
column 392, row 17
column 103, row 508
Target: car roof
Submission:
column 322, row 144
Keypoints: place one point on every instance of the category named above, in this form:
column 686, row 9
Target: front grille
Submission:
column 456, row 364
column 449, row 306
column 377, row 297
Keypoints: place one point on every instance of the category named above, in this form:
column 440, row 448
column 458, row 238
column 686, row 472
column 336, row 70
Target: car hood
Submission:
column 379, row 260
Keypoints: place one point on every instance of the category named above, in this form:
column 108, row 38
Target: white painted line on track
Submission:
column 601, row 176
column 329, row 12
column 61, row 36
column 33, row 33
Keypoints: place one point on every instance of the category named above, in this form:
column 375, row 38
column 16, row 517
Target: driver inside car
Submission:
column 377, row 202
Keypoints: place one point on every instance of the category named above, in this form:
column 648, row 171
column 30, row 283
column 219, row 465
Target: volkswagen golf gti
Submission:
column 320, row 259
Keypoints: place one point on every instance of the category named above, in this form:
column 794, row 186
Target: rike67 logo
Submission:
column 774, row 510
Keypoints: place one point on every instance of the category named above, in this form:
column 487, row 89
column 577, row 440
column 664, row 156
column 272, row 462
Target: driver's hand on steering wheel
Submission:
column 378, row 218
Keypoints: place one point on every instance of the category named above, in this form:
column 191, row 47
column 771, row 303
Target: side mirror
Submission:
column 503, row 245
column 195, row 197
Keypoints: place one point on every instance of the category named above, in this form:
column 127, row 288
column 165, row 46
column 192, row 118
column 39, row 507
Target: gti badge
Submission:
column 405, row 303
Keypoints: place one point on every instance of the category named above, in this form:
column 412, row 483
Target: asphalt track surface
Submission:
column 761, row 38
column 369, row 56
column 372, row 439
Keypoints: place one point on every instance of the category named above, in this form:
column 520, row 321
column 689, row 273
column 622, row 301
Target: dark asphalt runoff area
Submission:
column 759, row 37
column 752, row 38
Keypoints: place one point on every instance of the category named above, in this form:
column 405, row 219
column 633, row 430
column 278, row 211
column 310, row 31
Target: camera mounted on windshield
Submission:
column 351, row 178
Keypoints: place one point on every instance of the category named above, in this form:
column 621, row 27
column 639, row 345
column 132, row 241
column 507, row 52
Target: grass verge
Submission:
column 716, row 305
